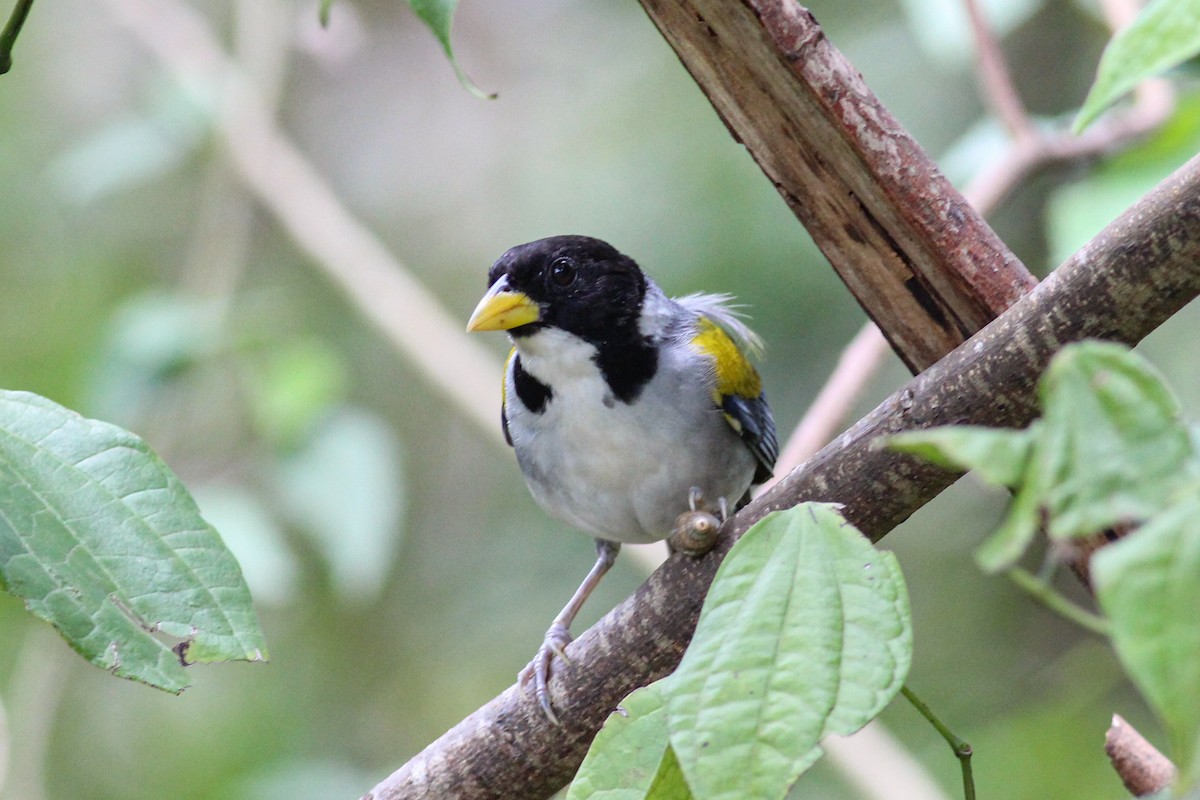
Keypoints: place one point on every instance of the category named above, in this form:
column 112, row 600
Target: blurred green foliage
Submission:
column 140, row 282
column 1164, row 34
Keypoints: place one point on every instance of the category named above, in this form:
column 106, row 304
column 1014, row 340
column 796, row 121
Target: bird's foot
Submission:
column 696, row 502
column 537, row 671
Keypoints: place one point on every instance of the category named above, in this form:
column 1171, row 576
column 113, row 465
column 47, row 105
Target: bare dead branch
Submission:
column 918, row 258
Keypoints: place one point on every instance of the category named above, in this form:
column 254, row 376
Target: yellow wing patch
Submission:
column 735, row 374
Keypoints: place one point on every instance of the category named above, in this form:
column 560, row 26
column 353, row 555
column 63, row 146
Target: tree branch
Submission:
column 1143, row 769
column 1132, row 277
column 12, row 29
column 507, row 749
column 922, row 263
column 994, row 74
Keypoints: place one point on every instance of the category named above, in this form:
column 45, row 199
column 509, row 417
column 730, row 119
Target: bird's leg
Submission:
column 559, row 634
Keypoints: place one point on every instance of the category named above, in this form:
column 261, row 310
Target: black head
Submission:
column 581, row 285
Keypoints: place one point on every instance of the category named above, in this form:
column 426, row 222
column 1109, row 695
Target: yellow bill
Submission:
column 503, row 309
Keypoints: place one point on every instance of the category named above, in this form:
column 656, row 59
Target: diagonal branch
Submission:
column 918, row 258
column 925, row 266
column 1131, row 278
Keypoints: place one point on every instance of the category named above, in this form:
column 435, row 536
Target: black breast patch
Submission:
column 532, row 393
column 627, row 367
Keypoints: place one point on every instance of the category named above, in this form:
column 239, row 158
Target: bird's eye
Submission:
column 562, row 272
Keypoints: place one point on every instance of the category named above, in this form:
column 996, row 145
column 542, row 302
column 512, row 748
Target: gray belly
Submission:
column 622, row 480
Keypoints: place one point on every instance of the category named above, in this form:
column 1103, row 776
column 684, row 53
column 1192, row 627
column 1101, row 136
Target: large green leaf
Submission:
column 627, row 754
column 1165, row 33
column 1149, row 586
column 1110, row 449
column 100, row 538
column 1113, row 447
column 669, row 783
column 805, row 633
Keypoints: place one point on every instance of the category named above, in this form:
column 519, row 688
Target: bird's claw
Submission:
column 696, row 503
column 537, row 671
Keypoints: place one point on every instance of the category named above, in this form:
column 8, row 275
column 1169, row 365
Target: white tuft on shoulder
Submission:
column 721, row 309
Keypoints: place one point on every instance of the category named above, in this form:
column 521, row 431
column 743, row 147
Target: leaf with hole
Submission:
column 101, row 539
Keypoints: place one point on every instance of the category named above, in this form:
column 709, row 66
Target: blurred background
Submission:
column 150, row 276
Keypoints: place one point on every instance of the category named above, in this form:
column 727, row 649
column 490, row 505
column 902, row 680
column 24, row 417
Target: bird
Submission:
column 625, row 407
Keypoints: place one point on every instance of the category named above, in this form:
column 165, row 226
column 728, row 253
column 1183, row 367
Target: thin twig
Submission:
column 961, row 747
column 1154, row 100
column 8, row 37
column 998, row 87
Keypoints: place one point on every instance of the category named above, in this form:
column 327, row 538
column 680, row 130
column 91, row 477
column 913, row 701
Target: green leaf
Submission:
column 101, row 539
column 1109, row 449
column 998, row 456
column 1010, row 541
column 627, row 756
column 323, row 12
column 1113, row 448
column 669, row 783
column 438, row 15
column 1166, row 33
column 1149, row 586
column 805, row 633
